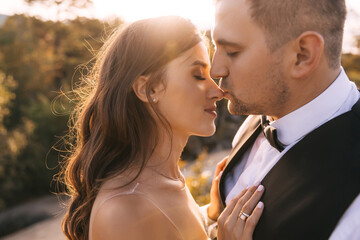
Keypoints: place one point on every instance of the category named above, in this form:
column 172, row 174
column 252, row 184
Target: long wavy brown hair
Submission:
column 111, row 128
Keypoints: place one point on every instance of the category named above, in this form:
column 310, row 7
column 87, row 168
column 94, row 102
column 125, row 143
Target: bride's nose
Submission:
column 214, row 92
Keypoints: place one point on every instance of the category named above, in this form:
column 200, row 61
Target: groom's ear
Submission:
column 308, row 51
column 139, row 87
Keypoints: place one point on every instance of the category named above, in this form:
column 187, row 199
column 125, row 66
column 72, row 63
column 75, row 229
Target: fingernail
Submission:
column 260, row 188
column 247, row 187
column 260, row 205
column 257, row 184
column 218, row 176
column 221, row 173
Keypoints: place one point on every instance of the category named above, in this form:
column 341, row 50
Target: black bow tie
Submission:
column 271, row 134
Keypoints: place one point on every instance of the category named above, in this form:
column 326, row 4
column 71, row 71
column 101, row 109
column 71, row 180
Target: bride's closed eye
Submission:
column 199, row 77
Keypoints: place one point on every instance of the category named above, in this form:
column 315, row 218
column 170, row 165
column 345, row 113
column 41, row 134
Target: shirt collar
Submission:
column 295, row 125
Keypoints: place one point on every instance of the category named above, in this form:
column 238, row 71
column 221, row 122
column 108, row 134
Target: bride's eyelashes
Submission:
column 199, row 74
column 199, row 77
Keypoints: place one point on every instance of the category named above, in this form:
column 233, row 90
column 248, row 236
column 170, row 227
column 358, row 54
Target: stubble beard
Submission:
column 237, row 107
column 270, row 105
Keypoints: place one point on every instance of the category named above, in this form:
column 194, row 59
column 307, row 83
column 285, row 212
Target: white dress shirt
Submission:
column 337, row 99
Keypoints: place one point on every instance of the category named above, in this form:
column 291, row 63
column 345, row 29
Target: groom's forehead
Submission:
column 231, row 19
column 230, row 10
column 232, row 3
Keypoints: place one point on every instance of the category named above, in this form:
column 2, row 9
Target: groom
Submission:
column 279, row 62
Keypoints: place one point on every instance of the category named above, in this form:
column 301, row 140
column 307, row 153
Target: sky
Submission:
column 201, row 12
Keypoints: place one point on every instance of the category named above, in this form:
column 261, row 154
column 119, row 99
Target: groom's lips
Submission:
column 227, row 95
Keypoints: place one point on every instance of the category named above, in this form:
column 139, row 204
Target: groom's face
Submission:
column 251, row 76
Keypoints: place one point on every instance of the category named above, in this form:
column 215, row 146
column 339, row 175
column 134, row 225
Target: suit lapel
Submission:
column 250, row 130
column 246, row 139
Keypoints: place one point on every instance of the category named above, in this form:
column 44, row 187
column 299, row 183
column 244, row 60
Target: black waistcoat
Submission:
column 312, row 185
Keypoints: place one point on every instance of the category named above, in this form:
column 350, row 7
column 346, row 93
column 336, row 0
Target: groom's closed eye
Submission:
column 232, row 54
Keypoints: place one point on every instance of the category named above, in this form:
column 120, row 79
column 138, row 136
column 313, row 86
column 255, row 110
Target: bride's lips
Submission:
column 211, row 110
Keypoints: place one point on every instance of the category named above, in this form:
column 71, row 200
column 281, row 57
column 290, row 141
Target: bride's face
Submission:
column 189, row 99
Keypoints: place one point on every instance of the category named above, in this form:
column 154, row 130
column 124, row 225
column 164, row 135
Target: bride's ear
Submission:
column 139, row 87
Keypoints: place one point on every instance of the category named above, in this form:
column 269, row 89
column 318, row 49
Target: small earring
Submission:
column 154, row 100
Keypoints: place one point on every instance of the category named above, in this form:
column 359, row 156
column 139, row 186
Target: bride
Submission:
column 150, row 90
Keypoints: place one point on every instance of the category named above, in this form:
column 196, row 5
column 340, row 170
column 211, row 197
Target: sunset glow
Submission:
column 201, row 12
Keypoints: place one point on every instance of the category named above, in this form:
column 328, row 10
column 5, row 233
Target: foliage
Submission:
column 72, row 3
column 351, row 64
column 62, row 6
column 39, row 59
column 12, row 142
column 199, row 181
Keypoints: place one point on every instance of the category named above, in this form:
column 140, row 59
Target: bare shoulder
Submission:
column 130, row 217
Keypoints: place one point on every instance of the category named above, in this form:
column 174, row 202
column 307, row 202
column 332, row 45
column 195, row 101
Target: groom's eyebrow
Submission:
column 223, row 42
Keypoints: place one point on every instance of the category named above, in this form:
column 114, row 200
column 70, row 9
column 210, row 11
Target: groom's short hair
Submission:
column 284, row 20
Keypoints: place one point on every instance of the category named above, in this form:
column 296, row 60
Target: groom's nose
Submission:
column 218, row 68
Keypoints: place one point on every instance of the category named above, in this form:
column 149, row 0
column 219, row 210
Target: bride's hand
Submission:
column 241, row 215
column 215, row 208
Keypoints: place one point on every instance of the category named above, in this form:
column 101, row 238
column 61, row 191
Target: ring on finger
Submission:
column 243, row 216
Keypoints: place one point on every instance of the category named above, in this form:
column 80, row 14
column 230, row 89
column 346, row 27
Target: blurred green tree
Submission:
column 43, row 57
column 68, row 6
column 73, row 3
column 351, row 64
column 12, row 142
